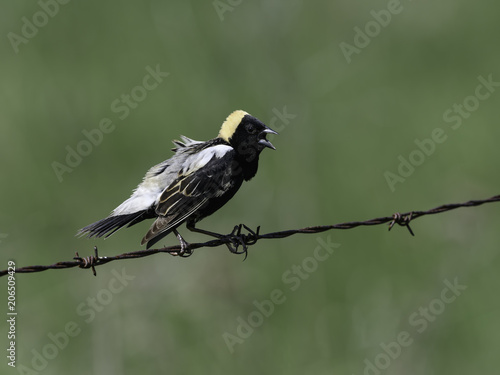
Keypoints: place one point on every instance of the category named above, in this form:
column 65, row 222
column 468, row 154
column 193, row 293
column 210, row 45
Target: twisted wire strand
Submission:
column 236, row 238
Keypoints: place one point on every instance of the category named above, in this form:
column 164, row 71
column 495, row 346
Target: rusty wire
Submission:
column 235, row 239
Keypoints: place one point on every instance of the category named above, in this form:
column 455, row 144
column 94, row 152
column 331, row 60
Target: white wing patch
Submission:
column 162, row 175
column 199, row 160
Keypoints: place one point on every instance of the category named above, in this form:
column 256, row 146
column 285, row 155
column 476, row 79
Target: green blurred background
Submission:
column 347, row 125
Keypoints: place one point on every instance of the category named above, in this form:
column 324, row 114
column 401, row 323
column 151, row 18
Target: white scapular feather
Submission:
column 200, row 159
column 159, row 177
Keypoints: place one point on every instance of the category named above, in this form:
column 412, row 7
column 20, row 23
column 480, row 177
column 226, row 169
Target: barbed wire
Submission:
column 236, row 238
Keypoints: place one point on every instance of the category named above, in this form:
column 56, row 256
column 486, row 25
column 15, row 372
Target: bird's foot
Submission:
column 237, row 239
column 185, row 250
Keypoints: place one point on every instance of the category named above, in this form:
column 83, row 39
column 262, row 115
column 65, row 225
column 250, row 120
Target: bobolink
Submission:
column 194, row 183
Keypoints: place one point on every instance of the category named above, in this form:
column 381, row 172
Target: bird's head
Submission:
column 246, row 134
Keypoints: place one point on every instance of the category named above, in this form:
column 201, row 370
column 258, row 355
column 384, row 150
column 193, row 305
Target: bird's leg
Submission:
column 192, row 228
column 185, row 251
column 232, row 246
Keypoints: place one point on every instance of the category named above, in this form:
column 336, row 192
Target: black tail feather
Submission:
column 106, row 227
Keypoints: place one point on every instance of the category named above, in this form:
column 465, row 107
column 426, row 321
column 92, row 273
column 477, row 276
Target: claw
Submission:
column 185, row 250
column 237, row 239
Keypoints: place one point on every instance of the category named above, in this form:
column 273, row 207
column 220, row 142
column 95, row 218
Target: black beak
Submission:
column 264, row 142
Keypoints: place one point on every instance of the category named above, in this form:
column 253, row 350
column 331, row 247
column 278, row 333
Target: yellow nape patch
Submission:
column 229, row 126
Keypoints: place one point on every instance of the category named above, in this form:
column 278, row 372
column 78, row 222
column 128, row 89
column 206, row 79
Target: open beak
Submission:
column 264, row 142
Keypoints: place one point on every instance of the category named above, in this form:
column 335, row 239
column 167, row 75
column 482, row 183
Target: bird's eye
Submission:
column 250, row 129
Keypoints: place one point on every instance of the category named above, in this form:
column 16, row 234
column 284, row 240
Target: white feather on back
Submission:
column 188, row 141
column 149, row 190
column 200, row 159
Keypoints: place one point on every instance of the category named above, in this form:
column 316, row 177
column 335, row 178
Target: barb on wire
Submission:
column 236, row 238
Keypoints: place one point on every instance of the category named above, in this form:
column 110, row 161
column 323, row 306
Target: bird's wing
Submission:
column 204, row 176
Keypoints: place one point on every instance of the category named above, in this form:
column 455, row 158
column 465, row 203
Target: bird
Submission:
column 195, row 182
